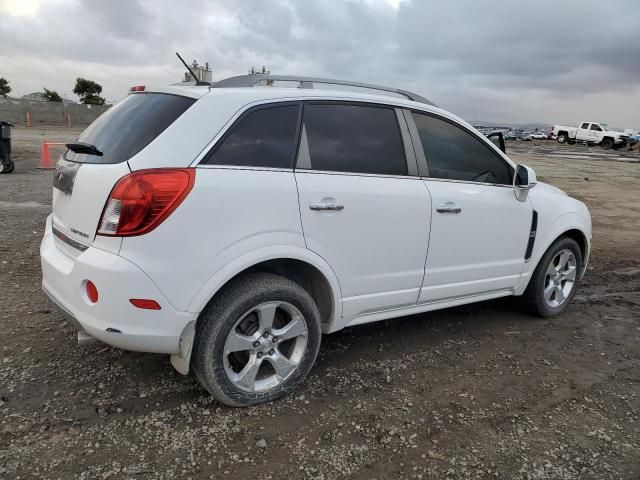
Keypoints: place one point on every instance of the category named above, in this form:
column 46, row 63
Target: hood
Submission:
column 616, row 133
column 545, row 187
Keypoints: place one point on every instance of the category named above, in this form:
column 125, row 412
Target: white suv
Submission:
column 230, row 226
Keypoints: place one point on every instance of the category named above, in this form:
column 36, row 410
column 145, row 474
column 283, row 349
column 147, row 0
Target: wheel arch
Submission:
column 575, row 231
column 298, row 264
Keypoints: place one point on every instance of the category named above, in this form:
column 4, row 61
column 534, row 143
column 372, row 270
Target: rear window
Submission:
column 129, row 126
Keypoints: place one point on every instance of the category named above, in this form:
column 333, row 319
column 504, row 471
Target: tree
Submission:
column 88, row 91
column 4, row 87
column 51, row 95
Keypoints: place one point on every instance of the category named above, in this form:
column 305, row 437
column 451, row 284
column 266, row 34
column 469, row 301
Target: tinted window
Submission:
column 129, row 126
column 453, row 153
column 585, row 126
column 262, row 138
column 596, row 127
column 353, row 138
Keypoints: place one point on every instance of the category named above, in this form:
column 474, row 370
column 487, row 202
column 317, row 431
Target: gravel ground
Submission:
column 482, row 391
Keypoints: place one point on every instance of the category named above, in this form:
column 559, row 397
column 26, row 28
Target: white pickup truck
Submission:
column 590, row 132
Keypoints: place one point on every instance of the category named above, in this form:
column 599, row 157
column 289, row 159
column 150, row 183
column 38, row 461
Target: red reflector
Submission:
column 137, row 88
column 145, row 303
column 92, row 291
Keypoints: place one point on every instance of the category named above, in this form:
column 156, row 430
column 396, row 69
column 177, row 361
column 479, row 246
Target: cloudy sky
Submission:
column 547, row 61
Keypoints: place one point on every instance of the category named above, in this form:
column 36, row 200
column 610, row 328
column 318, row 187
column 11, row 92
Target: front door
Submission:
column 361, row 210
column 479, row 230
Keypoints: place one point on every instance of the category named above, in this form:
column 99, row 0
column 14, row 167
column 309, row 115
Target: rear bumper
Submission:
column 117, row 280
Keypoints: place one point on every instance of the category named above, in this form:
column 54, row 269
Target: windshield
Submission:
column 129, row 126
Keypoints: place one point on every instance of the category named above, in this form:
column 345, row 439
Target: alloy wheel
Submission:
column 265, row 346
column 560, row 278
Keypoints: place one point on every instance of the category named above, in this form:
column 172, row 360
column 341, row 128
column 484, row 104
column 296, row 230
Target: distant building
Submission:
column 202, row 72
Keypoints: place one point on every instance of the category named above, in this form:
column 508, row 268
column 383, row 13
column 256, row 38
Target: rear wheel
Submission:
column 257, row 340
column 555, row 279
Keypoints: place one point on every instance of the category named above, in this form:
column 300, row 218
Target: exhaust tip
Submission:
column 85, row 339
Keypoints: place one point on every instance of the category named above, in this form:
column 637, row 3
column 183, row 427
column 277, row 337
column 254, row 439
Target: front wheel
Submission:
column 561, row 138
column 555, row 279
column 257, row 340
column 607, row 144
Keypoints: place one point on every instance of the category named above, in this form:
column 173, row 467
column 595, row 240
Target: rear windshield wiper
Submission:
column 81, row 147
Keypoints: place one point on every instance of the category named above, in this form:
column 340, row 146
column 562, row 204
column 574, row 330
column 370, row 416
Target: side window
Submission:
column 354, row 138
column 455, row 154
column 595, row 126
column 265, row 137
column 585, row 126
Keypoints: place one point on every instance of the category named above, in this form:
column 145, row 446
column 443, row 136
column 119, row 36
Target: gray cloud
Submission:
column 547, row 61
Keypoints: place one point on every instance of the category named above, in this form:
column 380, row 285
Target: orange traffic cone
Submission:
column 28, row 119
column 45, row 162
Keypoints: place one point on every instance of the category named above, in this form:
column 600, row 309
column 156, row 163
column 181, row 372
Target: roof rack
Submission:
column 308, row 82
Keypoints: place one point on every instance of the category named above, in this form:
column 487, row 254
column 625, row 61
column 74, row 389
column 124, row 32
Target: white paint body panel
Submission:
column 480, row 249
column 377, row 245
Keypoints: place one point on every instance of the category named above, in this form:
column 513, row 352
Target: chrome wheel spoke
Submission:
column 559, row 296
column 237, row 342
column 569, row 274
column 293, row 329
column 266, row 314
column 281, row 364
column 563, row 263
column 247, row 376
column 548, row 291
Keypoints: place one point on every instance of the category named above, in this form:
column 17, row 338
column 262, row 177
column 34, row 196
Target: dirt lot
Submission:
column 482, row 391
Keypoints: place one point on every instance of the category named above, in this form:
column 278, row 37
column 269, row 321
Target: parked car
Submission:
column 511, row 135
column 526, row 136
column 590, row 132
column 231, row 227
column 539, row 136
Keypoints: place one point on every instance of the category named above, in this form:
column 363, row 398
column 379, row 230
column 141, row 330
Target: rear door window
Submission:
column 354, row 138
column 129, row 126
column 263, row 137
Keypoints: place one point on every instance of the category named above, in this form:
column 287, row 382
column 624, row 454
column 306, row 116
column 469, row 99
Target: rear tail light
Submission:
column 142, row 200
column 137, row 88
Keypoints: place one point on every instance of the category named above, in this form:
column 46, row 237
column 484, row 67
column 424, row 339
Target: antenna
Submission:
column 198, row 81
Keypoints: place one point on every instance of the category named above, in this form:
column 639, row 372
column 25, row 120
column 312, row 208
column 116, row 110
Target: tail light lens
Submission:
column 142, row 200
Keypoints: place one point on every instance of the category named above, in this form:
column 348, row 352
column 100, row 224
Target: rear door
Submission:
column 583, row 132
column 479, row 230
column 82, row 182
column 363, row 207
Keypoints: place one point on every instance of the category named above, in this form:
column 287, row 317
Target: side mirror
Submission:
column 498, row 140
column 524, row 180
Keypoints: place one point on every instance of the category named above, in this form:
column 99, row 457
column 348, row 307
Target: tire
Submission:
column 236, row 314
column 561, row 138
column 534, row 296
column 607, row 144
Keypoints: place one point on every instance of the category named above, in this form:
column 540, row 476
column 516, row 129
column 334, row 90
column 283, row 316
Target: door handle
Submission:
column 448, row 208
column 326, row 206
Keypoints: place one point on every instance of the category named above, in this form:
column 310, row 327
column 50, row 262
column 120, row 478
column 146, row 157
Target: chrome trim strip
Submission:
column 69, row 241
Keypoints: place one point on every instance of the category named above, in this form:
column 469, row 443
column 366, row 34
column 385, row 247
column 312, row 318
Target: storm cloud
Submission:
column 544, row 61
